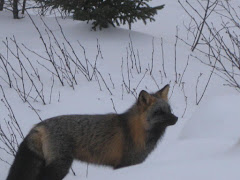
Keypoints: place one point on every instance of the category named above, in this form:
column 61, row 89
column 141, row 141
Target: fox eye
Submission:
column 169, row 109
column 159, row 112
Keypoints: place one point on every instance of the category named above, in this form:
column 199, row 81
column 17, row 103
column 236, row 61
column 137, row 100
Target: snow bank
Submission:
column 216, row 118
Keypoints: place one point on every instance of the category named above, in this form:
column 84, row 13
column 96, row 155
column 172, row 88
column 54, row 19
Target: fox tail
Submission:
column 27, row 164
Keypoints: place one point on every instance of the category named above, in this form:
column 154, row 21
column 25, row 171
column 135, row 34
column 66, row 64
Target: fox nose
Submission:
column 173, row 119
column 176, row 118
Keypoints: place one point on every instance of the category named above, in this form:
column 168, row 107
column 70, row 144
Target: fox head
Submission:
column 156, row 108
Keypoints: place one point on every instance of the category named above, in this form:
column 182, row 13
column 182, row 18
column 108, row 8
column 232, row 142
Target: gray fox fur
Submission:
column 115, row 140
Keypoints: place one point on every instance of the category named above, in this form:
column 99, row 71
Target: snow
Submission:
column 215, row 119
column 204, row 144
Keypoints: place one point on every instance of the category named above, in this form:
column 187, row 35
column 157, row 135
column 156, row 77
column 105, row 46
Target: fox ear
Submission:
column 144, row 98
column 163, row 93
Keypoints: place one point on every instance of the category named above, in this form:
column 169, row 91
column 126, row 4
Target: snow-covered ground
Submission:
column 204, row 144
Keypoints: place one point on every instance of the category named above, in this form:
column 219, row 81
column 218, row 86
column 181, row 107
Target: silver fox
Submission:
column 115, row 140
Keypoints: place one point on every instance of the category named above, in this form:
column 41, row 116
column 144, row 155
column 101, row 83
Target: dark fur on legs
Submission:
column 57, row 169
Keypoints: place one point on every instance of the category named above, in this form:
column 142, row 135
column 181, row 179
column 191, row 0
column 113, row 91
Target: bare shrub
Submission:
column 214, row 31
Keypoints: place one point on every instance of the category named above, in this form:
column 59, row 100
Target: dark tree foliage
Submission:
column 103, row 13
